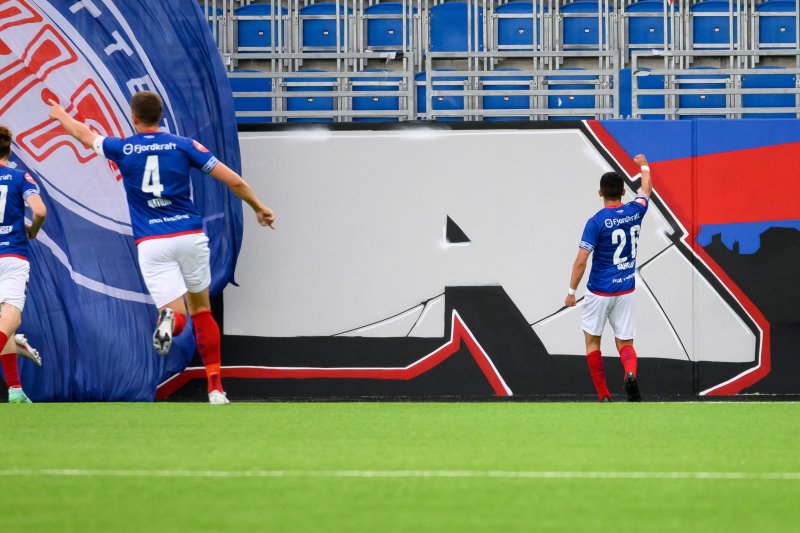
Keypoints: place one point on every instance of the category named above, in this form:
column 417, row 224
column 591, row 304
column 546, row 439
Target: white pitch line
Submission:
column 390, row 474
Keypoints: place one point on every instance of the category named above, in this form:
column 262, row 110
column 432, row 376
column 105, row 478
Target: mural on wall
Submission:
column 433, row 262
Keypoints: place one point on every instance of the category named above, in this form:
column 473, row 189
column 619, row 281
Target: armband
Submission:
column 97, row 145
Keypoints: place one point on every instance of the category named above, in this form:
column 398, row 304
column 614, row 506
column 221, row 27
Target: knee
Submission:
column 11, row 317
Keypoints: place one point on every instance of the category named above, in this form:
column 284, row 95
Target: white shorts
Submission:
column 618, row 310
column 14, row 273
column 172, row 265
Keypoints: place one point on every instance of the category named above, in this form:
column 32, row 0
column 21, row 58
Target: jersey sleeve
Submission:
column 590, row 235
column 200, row 157
column 108, row 147
column 29, row 187
column 641, row 203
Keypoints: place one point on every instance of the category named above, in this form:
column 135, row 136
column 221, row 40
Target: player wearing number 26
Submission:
column 612, row 235
column 172, row 247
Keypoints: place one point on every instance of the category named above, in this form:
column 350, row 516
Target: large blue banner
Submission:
column 88, row 311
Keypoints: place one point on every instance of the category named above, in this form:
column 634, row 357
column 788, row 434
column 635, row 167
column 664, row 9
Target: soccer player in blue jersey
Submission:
column 613, row 235
column 16, row 189
column 172, row 248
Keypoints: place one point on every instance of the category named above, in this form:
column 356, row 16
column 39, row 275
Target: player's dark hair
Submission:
column 147, row 107
column 612, row 185
column 5, row 142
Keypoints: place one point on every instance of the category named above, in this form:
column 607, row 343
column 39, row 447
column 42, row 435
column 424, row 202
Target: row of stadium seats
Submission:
column 566, row 94
column 459, row 26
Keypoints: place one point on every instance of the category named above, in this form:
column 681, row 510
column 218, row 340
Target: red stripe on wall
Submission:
column 459, row 334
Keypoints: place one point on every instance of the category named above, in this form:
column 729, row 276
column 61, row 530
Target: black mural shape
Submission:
column 497, row 325
column 769, row 278
column 454, row 234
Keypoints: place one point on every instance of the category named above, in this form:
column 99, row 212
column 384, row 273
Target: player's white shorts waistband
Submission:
column 172, row 265
column 14, row 274
column 619, row 311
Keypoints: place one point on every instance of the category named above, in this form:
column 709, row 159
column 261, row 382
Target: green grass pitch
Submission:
column 400, row 467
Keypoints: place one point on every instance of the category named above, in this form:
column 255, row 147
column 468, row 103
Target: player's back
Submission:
column 615, row 231
column 15, row 187
column 155, row 168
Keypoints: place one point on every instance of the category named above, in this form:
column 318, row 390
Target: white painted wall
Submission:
column 360, row 239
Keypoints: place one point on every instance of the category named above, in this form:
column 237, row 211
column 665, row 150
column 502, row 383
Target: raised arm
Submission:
column 39, row 214
column 647, row 181
column 578, row 269
column 241, row 189
column 78, row 130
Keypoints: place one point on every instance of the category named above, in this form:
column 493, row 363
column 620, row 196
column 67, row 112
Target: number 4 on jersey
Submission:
column 151, row 181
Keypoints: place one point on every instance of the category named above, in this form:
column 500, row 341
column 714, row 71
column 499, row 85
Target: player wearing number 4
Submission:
column 172, row 248
column 612, row 234
column 16, row 189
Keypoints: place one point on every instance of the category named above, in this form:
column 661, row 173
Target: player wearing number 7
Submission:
column 172, row 248
column 16, row 189
column 612, row 234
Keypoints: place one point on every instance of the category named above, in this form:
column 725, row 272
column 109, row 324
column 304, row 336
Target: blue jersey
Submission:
column 155, row 172
column 15, row 187
column 613, row 235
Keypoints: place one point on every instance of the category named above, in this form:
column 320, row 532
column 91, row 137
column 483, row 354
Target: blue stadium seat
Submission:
column 310, row 103
column 515, row 25
column 769, row 81
column 384, row 27
column 441, row 103
column 380, row 82
column 260, row 103
column 318, row 26
column 777, row 24
column 450, row 29
column 582, row 99
column 694, row 101
column 645, row 24
column 711, row 26
column 506, row 83
column 258, row 33
column 580, row 25
column 645, row 101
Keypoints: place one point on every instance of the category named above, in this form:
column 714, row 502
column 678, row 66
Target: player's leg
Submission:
column 196, row 269
column 593, row 319
column 208, row 343
column 14, row 274
column 622, row 319
column 171, row 323
column 627, row 354
column 164, row 280
column 10, row 319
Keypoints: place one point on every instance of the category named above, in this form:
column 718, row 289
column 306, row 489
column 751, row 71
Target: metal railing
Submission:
column 543, row 86
column 678, row 85
column 741, row 23
column 536, row 76
column 292, row 94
